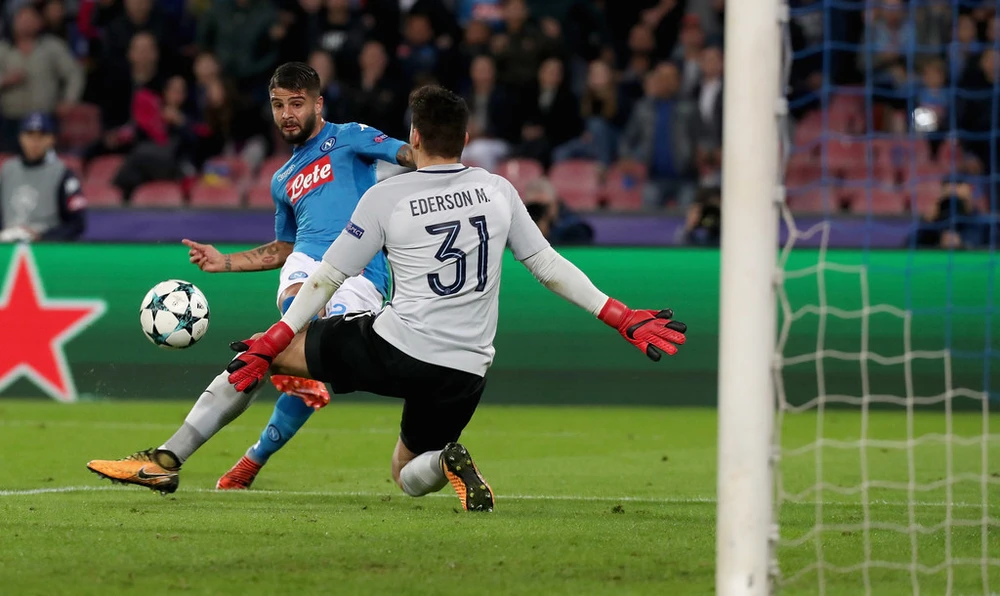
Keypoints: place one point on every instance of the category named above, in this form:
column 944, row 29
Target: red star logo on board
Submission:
column 35, row 328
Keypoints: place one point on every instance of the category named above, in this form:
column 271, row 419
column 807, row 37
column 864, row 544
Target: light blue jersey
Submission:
column 316, row 191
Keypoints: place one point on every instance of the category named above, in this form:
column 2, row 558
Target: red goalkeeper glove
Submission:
column 650, row 331
column 249, row 368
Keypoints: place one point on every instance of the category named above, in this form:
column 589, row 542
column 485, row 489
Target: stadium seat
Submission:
column 577, row 183
column 846, row 113
column 924, row 196
column 814, row 200
column 80, row 126
column 520, row 171
column 158, row 194
column 215, row 196
column 809, row 129
column 910, row 150
column 74, row 163
column 259, row 197
column 877, row 201
column 103, row 169
column 268, row 168
column 840, row 154
column 101, row 194
column 623, row 190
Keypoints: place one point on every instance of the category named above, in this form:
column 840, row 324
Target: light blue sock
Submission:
column 289, row 415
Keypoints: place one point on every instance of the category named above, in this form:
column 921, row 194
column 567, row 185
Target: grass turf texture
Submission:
column 589, row 500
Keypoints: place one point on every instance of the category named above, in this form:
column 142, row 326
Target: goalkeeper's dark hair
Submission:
column 295, row 76
column 442, row 118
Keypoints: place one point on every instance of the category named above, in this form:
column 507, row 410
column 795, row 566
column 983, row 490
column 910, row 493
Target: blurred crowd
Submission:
column 636, row 85
column 896, row 112
column 611, row 105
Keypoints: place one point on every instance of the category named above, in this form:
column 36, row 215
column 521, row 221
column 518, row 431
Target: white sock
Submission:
column 423, row 474
column 219, row 405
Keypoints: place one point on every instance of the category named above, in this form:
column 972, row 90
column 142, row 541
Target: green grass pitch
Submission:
column 595, row 500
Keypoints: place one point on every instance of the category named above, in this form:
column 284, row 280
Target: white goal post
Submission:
column 752, row 109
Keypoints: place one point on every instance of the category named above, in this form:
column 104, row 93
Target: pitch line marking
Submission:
column 371, row 494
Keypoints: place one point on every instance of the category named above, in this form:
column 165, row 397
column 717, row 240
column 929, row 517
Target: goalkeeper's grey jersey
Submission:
column 444, row 229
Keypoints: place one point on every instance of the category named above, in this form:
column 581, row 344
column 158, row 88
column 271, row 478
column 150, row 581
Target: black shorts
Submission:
column 438, row 402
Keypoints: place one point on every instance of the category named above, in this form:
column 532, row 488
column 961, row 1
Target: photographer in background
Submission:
column 557, row 223
column 704, row 218
column 40, row 197
column 952, row 221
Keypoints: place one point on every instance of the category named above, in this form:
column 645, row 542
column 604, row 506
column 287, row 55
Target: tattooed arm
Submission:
column 404, row 157
column 269, row 256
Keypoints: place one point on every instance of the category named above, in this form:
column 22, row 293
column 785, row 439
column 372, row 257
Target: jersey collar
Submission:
column 445, row 168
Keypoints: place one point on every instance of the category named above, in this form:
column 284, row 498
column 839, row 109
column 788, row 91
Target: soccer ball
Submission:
column 174, row 314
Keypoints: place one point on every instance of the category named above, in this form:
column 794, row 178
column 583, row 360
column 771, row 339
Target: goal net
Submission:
column 886, row 456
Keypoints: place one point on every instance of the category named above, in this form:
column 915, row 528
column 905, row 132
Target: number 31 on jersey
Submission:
column 448, row 250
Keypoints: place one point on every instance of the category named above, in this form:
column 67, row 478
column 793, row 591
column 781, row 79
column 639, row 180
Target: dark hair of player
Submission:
column 442, row 119
column 295, row 76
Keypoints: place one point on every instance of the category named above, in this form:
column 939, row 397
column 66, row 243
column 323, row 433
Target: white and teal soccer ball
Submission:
column 174, row 314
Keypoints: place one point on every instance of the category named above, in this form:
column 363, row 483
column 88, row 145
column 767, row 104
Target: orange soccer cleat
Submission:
column 473, row 490
column 156, row 469
column 240, row 476
column 312, row 392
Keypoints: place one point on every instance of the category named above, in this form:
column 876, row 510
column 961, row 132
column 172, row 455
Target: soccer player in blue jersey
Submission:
column 314, row 193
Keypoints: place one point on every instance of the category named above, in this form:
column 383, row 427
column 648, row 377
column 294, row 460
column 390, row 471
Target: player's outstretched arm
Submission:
column 653, row 332
column 268, row 256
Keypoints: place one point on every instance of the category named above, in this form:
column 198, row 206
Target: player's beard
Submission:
column 306, row 130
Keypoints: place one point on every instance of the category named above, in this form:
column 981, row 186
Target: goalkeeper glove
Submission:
column 648, row 330
column 247, row 369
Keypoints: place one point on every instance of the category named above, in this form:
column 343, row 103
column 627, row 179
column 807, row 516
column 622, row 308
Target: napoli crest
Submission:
column 328, row 144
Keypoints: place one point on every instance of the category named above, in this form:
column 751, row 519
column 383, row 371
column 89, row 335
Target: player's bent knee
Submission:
column 287, row 296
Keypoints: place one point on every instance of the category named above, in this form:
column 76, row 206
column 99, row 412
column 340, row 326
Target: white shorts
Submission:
column 355, row 294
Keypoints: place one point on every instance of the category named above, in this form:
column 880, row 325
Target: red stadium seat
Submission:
column 268, row 168
column 520, row 172
column 623, row 188
column 809, row 129
column 215, row 196
column 158, row 194
column 74, row 163
column 877, row 201
column 924, row 196
column 80, row 126
column 847, row 113
column 103, row 169
column 259, row 197
column 101, row 194
column 577, row 182
column 814, row 200
column 841, row 154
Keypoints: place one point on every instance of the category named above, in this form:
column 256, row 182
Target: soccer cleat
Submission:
column 473, row 490
column 240, row 476
column 312, row 392
column 156, row 469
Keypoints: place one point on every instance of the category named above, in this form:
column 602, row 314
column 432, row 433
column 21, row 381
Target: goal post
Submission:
column 752, row 113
